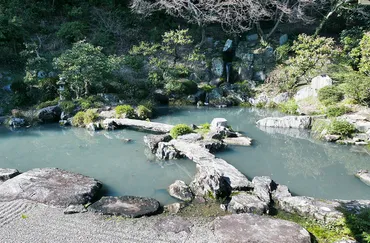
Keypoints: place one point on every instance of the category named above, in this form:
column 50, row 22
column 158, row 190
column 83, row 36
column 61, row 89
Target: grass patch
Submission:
column 180, row 129
column 290, row 107
column 203, row 129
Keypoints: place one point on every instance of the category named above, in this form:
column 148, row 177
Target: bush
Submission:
column 350, row 39
column 72, row 31
column 143, row 112
column 90, row 102
column 181, row 86
column 47, row 103
column 357, row 87
column 289, row 107
column 78, row 119
column 90, row 116
column 81, row 119
column 125, row 110
column 67, row 106
column 330, row 95
column 334, row 111
column 180, row 129
column 282, row 52
column 365, row 54
column 342, row 128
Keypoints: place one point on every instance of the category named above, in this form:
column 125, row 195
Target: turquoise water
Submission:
column 124, row 168
column 307, row 166
column 290, row 157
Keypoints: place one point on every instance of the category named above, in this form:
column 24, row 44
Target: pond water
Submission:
column 124, row 168
column 290, row 157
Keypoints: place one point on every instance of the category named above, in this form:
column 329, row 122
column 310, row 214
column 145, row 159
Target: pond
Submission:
column 307, row 166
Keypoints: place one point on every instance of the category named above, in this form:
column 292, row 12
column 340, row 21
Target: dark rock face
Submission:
column 167, row 151
column 51, row 186
column 250, row 228
column 212, row 145
column 180, row 190
column 126, row 206
column 208, row 183
column 6, row 174
column 50, row 114
column 152, row 141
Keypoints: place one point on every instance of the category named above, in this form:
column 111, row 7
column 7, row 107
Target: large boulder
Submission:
column 50, row 114
column 244, row 202
column 217, row 67
column 51, row 186
column 248, row 228
column 152, row 141
column 321, row 81
column 364, row 176
column 286, row 122
column 180, row 190
column 262, row 188
column 166, row 151
column 322, row 210
column 6, row 174
column 304, row 93
column 281, row 98
column 217, row 123
column 208, row 183
column 126, row 206
column 16, row 122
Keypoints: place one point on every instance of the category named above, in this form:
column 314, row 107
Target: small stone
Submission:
column 180, row 190
column 331, row 138
column 173, row 208
column 218, row 122
column 72, row 209
column 244, row 202
column 283, row 39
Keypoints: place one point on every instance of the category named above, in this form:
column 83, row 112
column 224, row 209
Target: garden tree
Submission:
column 167, row 62
column 347, row 8
column 365, row 55
column 35, row 62
column 84, row 66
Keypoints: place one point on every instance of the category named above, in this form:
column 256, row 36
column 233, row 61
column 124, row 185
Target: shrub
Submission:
column 334, row 111
column 365, row 54
column 207, row 88
column 180, row 129
column 350, row 39
column 78, row 119
column 135, row 62
column 357, row 87
column 330, row 95
column 289, row 107
column 72, row 31
column 47, row 103
column 82, row 118
column 342, row 128
column 90, row 116
column 181, row 86
column 67, row 106
column 143, row 112
column 282, row 52
column 125, row 110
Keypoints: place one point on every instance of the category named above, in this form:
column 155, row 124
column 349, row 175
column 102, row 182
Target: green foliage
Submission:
column 261, row 104
column 67, row 106
column 334, row 110
column 282, row 52
column 34, row 62
column 330, row 95
column 179, row 130
column 135, row 62
column 182, row 86
column 342, row 128
column 207, row 88
column 357, row 87
column 90, row 102
column 125, row 110
column 84, row 66
column 359, row 224
column 82, row 118
column 143, row 112
column 203, row 129
column 365, row 54
column 48, row 103
column 289, row 107
column 165, row 57
column 350, row 39
column 312, row 56
column 72, row 31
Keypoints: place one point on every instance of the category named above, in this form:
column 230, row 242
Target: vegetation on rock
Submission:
column 179, row 130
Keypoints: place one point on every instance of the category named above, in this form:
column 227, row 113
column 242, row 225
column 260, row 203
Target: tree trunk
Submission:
column 203, row 40
column 86, row 88
column 332, row 11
